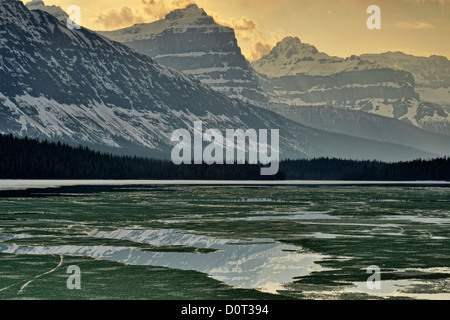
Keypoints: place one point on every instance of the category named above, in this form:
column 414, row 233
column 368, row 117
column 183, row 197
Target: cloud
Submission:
column 150, row 10
column 157, row 9
column 123, row 17
column 251, row 39
column 259, row 50
column 414, row 26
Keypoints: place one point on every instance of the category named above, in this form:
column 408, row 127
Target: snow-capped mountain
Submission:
column 191, row 41
column 79, row 87
column 298, row 74
column 294, row 73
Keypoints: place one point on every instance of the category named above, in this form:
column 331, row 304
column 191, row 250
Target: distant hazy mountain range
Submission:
column 80, row 87
column 298, row 74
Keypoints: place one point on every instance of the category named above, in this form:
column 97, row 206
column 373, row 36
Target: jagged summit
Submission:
column 191, row 13
column 191, row 16
column 290, row 46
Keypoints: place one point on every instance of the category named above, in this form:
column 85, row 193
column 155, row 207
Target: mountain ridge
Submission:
column 79, row 87
column 290, row 57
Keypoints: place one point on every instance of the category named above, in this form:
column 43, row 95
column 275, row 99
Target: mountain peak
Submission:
column 191, row 12
column 291, row 46
column 289, row 40
column 35, row 3
column 56, row 11
column 194, row 8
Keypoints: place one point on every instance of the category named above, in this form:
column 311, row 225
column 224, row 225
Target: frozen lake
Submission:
column 188, row 240
column 26, row 184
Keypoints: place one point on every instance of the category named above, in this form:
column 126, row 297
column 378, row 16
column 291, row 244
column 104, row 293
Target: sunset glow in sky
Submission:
column 337, row 27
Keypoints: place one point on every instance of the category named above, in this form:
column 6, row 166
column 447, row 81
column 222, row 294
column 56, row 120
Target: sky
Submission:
column 337, row 27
